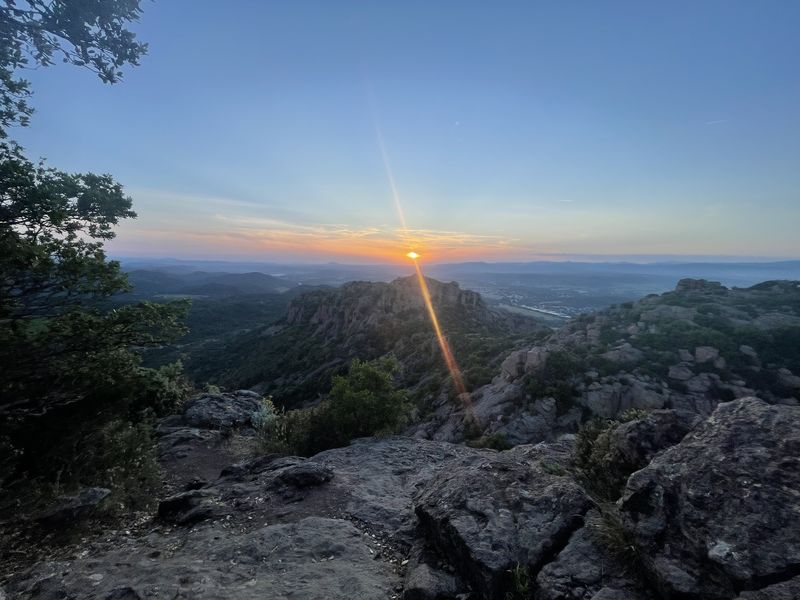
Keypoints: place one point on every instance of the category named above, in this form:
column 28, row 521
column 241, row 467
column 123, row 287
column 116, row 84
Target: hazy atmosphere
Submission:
column 622, row 128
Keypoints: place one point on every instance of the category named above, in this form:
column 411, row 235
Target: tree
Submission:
column 54, row 338
column 86, row 33
column 75, row 402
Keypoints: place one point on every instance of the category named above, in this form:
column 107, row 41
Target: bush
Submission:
column 362, row 403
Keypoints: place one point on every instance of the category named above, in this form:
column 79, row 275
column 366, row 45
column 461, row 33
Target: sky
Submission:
column 511, row 130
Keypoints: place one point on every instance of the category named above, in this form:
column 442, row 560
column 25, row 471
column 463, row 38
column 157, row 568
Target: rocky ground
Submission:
column 713, row 515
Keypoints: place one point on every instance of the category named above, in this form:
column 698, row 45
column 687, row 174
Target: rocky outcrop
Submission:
column 586, row 569
column 493, row 513
column 717, row 513
column 222, row 411
column 67, row 510
column 359, row 306
column 192, row 445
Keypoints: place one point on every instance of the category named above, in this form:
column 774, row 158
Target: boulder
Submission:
column 68, row 510
column 638, row 441
column 222, row 411
column 306, row 474
column 514, row 365
column 624, row 354
column 192, row 506
column 717, row 512
column 680, row 372
column 585, row 568
column 490, row 513
column 705, row 354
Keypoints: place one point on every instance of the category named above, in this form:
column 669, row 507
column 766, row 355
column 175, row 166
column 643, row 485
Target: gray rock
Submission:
column 624, row 354
column 680, row 372
column 222, row 411
column 748, row 351
column 314, row 559
column 425, row 580
column 306, row 474
column 71, row 509
column 192, row 506
column 490, row 513
column 718, row 512
column 585, row 568
column 705, row 354
column 786, row 590
column 638, row 441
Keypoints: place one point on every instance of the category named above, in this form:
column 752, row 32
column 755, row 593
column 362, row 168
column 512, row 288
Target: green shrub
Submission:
column 362, row 403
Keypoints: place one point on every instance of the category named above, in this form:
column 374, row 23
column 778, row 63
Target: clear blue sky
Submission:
column 513, row 129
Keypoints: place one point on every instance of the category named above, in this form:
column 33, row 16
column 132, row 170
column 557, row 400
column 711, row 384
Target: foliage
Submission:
column 67, row 361
column 615, row 538
column 89, row 33
column 554, row 380
column 494, row 441
column 521, row 587
column 601, row 468
column 363, row 403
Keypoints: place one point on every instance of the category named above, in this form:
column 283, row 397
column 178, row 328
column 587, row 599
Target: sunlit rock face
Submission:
column 359, row 306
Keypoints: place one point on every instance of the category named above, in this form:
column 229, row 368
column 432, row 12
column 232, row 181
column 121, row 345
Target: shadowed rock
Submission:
column 718, row 512
column 490, row 513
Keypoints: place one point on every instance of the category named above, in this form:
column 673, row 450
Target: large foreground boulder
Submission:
column 494, row 513
column 587, row 569
column 719, row 512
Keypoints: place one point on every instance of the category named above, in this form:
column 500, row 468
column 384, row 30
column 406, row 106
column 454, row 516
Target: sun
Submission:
column 412, row 255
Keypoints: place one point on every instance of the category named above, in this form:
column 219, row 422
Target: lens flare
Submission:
column 449, row 359
column 447, row 353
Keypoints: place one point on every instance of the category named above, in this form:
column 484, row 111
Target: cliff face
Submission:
column 360, row 306
column 325, row 329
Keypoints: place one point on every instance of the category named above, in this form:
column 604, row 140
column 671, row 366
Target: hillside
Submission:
column 688, row 349
column 324, row 329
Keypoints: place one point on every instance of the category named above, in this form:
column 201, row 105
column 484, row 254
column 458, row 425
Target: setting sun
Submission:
column 412, row 255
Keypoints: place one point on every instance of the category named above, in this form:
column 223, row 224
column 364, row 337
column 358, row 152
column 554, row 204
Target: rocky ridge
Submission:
column 686, row 350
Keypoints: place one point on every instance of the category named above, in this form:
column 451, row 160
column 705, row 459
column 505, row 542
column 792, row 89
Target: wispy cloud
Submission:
column 717, row 122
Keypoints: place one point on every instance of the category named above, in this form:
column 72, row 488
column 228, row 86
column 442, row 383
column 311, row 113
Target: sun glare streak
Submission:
column 449, row 359
column 447, row 353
